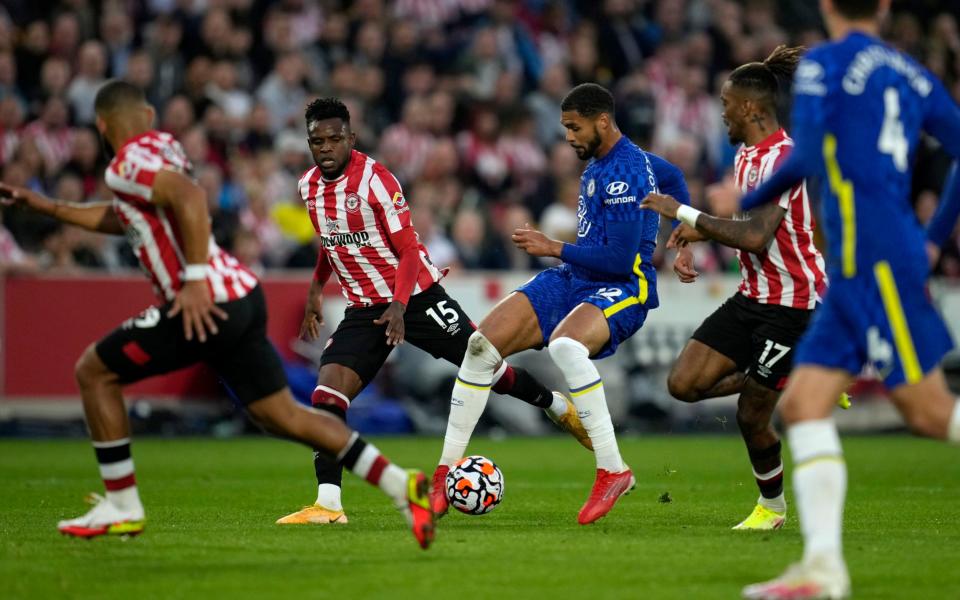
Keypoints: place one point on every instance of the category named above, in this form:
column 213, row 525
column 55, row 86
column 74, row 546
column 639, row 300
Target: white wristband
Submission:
column 195, row 273
column 688, row 214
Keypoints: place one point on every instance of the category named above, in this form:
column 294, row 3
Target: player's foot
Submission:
column 416, row 508
column 314, row 515
column 438, row 491
column 607, row 488
column 814, row 580
column 762, row 519
column 570, row 422
column 844, row 401
column 103, row 519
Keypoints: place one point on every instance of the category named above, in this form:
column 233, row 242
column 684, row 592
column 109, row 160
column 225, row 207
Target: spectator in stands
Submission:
column 51, row 134
column 55, row 77
column 116, row 31
column 177, row 116
column 283, row 93
column 91, row 74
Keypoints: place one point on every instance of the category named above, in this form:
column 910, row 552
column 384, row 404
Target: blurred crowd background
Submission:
column 459, row 98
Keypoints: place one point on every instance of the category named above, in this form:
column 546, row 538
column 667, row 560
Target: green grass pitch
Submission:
column 211, row 506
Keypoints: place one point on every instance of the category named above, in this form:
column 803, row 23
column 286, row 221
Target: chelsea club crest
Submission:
column 591, row 187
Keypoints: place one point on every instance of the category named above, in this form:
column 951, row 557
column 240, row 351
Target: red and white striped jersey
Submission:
column 153, row 230
column 791, row 271
column 357, row 216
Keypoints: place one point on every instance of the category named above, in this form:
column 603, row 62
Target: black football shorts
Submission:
column 760, row 338
column 434, row 322
column 240, row 353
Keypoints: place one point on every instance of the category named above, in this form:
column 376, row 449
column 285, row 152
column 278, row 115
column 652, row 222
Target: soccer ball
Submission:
column 474, row 485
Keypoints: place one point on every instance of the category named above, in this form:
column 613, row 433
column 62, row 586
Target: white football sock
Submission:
column 953, row 428
column 820, row 485
column 365, row 460
column 328, row 496
column 778, row 504
column 558, row 407
column 586, row 388
column 393, row 482
column 470, row 393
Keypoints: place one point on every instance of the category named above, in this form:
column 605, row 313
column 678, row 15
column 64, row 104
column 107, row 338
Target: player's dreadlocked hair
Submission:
column 116, row 94
column 327, row 108
column 765, row 77
column 857, row 9
column 588, row 99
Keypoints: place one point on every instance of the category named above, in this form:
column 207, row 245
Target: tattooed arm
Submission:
column 751, row 234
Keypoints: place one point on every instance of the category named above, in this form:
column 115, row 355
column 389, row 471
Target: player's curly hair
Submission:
column 588, row 99
column 765, row 77
column 326, row 108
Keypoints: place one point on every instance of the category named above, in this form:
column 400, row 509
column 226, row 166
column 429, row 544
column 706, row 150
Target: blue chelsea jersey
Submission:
column 611, row 189
column 859, row 106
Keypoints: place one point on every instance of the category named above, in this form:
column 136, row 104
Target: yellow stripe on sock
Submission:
column 589, row 389
column 816, row 459
column 898, row 322
column 472, row 386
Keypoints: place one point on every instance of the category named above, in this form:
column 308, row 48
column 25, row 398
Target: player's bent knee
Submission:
column 681, row 386
column 90, row 370
column 564, row 351
column 481, row 355
column 277, row 414
column 478, row 344
column 924, row 422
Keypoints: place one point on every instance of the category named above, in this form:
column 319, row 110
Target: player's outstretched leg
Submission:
column 519, row 383
column 820, row 483
column 280, row 414
column 470, row 393
column 754, row 411
column 613, row 478
column 328, row 508
column 119, row 511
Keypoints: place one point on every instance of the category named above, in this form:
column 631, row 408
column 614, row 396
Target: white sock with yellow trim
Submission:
column 820, row 486
column 469, row 398
column 586, row 389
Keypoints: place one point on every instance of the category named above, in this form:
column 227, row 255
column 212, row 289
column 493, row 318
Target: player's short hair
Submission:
column 327, row 108
column 857, row 9
column 588, row 99
column 765, row 77
column 116, row 94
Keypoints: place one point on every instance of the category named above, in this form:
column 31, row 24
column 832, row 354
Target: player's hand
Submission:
column 682, row 235
column 194, row 301
column 11, row 195
column 933, row 253
column 393, row 317
column 661, row 203
column 535, row 243
column 312, row 317
column 724, row 198
column 683, row 265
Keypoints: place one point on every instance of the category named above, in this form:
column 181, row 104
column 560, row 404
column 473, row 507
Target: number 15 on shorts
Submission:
column 446, row 317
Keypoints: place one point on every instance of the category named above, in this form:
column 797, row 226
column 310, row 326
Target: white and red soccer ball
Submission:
column 474, row 485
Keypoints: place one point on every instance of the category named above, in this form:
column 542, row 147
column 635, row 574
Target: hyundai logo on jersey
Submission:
column 617, row 188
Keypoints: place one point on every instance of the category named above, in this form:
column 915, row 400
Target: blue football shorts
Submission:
column 882, row 317
column 556, row 291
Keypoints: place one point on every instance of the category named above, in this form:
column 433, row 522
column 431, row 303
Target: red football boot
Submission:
column 607, row 488
column 438, row 491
